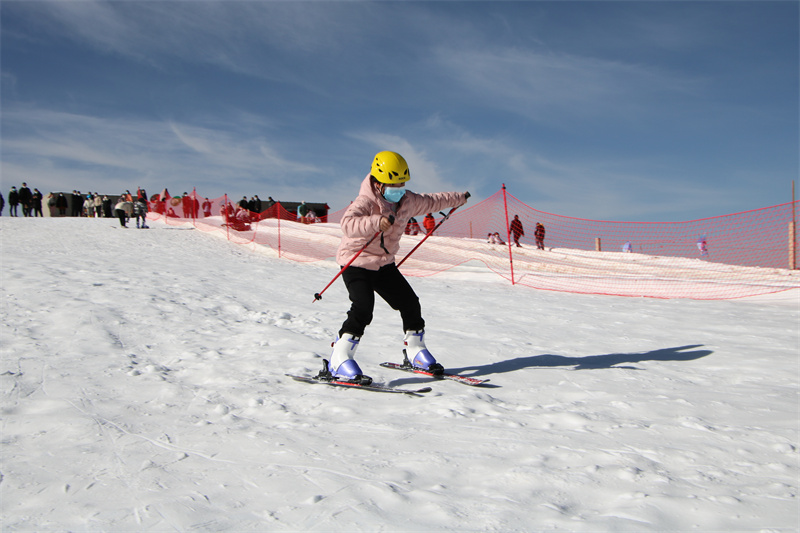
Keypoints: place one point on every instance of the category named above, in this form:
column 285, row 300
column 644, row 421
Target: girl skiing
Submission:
column 383, row 205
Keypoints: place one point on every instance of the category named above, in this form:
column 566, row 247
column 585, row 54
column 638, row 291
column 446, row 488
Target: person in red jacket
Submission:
column 383, row 206
column 429, row 223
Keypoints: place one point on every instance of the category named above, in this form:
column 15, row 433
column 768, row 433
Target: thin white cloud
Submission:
column 571, row 184
column 276, row 161
column 158, row 152
column 242, row 37
column 195, row 143
column 238, row 150
column 547, row 85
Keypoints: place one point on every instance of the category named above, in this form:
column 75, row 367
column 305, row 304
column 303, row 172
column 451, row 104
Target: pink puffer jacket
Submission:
column 362, row 220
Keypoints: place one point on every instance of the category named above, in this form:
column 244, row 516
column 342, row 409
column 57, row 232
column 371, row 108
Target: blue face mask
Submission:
column 394, row 194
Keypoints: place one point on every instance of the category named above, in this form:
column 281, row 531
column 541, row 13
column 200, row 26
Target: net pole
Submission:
column 251, row 217
column 508, row 235
column 225, row 218
column 793, row 235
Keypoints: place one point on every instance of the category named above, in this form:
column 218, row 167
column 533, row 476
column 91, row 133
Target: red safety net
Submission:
column 731, row 256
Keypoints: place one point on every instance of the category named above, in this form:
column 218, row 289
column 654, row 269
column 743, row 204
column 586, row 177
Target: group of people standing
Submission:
column 126, row 208
column 517, row 231
column 428, row 222
column 31, row 201
column 78, row 203
column 95, row 206
column 91, row 205
column 254, row 204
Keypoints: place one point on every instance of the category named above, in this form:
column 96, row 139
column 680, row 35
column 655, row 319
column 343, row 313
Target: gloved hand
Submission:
column 386, row 223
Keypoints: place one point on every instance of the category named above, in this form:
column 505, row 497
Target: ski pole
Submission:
column 428, row 235
column 318, row 296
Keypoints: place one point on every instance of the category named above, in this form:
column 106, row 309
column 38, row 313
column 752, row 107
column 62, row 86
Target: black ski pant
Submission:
column 389, row 284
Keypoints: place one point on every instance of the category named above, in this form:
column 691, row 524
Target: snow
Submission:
column 143, row 389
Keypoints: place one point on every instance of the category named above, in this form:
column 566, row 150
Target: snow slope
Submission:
column 143, row 389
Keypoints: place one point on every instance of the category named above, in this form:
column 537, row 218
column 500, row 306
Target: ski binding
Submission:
column 407, row 367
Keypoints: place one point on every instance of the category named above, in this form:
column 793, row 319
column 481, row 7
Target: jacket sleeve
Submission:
column 360, row 220
column 420, row 204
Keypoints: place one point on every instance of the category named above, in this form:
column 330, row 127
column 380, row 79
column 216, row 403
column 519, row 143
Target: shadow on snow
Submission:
column 592, row 362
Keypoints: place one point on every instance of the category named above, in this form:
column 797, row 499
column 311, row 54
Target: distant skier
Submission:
column 140, row 210
column 517, row 230
column 702, row 245
column 494, row 238
column 538, row 234
column 382, row 195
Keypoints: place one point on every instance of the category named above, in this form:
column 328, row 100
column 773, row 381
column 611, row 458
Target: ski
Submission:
column 375, row 387
column 453, row 377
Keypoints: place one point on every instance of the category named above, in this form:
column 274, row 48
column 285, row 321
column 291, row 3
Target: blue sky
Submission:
column 625, row 110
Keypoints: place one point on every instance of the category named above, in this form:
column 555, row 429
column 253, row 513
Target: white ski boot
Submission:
column 417, row 354
column 342, row 364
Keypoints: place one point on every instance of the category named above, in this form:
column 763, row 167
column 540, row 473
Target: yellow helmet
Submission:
column 390, row 167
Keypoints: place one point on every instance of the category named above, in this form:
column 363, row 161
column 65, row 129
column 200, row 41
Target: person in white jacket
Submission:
column 88, row 206
column 123, row 209
column 97, row 205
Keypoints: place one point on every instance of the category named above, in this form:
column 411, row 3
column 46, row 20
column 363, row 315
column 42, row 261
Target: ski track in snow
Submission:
column 143, row 389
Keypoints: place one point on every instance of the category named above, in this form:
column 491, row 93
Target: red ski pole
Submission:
column 428, row 235
column 318, row 296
